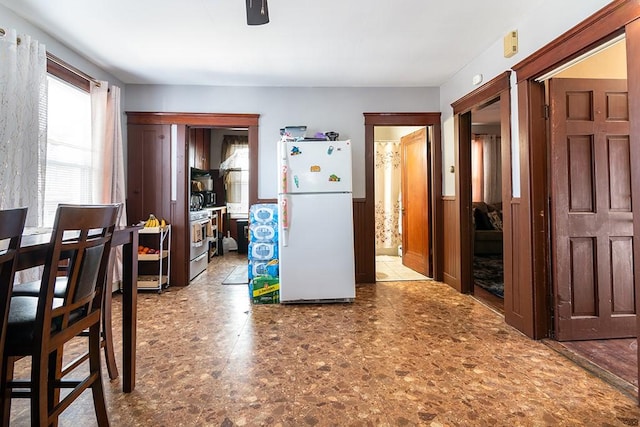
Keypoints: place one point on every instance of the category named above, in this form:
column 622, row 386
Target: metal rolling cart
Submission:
column 161, row 256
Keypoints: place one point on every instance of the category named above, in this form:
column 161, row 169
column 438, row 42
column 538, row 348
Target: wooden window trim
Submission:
column 65, row 72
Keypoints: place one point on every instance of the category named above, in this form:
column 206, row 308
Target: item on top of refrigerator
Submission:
column 333, row 136
column 263, row 251
column 263, row 213
column 293, row 132
column 265, row 290
column 263, row 232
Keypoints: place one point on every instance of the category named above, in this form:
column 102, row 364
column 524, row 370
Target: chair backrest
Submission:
column 82, row 235
column 11, row 228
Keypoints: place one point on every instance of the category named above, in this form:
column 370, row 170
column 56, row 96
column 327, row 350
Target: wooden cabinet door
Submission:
column 148, row 166
column 199, row 148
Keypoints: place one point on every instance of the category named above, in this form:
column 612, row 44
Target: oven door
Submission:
column 199, row 239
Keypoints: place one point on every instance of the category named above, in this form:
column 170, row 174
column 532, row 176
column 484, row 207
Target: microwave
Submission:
column 209, row 199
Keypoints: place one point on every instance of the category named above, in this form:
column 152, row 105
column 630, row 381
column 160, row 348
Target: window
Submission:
column 70, row 160
column 236, row 167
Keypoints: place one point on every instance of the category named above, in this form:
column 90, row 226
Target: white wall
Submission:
column 548, row 21
column 320, row 109
column 8, row 19
column 339, row 109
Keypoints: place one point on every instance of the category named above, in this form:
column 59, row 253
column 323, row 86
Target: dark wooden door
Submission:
column 415, row 202
column 592, row 220
column 148, row 172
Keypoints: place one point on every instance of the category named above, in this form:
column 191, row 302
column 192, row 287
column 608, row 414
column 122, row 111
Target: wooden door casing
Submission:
column 591, row 215
column 415, row 202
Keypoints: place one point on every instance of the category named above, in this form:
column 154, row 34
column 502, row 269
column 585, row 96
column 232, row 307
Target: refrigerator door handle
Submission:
column 284, row 178
column 284, row 212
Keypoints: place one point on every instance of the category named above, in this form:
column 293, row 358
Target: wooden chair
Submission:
column 11, row 228
column 40, row 326
column 33, row 289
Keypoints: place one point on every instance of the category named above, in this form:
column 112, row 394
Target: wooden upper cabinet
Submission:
column 199, row 148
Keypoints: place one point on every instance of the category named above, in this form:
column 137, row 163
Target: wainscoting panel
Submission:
column 518, row 302
column 451, row 228
column 512, row 247
column 364, row 243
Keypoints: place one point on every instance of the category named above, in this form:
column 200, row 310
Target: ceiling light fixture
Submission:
column 257, row 12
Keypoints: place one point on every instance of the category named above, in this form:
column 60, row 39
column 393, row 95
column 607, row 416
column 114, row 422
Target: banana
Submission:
column 152, row 221
column 155, row 222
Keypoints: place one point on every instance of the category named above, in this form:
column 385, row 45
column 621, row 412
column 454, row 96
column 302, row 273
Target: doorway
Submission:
column 230, row 147
column 486, row 212
column 390, row 142
column 591, row 220
column 364, row 208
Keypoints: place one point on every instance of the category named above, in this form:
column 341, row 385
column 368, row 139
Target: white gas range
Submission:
column 200, row 230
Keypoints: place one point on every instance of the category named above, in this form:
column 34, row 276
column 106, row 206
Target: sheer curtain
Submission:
column 486, row 169
column 388, row 197
column 492, row 169
column 23, row 132
column 106, row 141
column 477, row 170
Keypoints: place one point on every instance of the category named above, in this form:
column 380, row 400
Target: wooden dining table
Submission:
column 33, row 253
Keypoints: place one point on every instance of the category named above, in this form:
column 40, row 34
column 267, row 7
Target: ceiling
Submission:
column 324, row 43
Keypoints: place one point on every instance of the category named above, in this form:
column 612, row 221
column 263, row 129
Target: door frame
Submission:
column 180, row 207
column 497, row 88
column 365, row 233
column 618, row 17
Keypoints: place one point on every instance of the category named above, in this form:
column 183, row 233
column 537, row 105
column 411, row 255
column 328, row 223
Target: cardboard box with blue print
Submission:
column 265, row 290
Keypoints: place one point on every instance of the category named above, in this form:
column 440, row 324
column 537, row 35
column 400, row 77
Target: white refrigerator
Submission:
column 315, row 247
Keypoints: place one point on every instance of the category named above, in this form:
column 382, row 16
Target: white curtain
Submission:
column 23, row 131
column 387, row 197
column 106, row 140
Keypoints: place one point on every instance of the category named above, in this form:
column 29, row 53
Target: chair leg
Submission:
column 54, row 375
column 107, row 330
column 5, row 391
column 97, row 388
column 40, row 390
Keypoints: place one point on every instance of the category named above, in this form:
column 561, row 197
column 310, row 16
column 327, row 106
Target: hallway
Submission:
column 403, row 354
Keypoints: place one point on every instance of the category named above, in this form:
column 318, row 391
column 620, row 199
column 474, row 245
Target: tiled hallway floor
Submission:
column 390, row 268
column 403, row 354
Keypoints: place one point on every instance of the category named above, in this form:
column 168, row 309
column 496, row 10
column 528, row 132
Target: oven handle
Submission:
column 202, row 221
column 200, row 257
